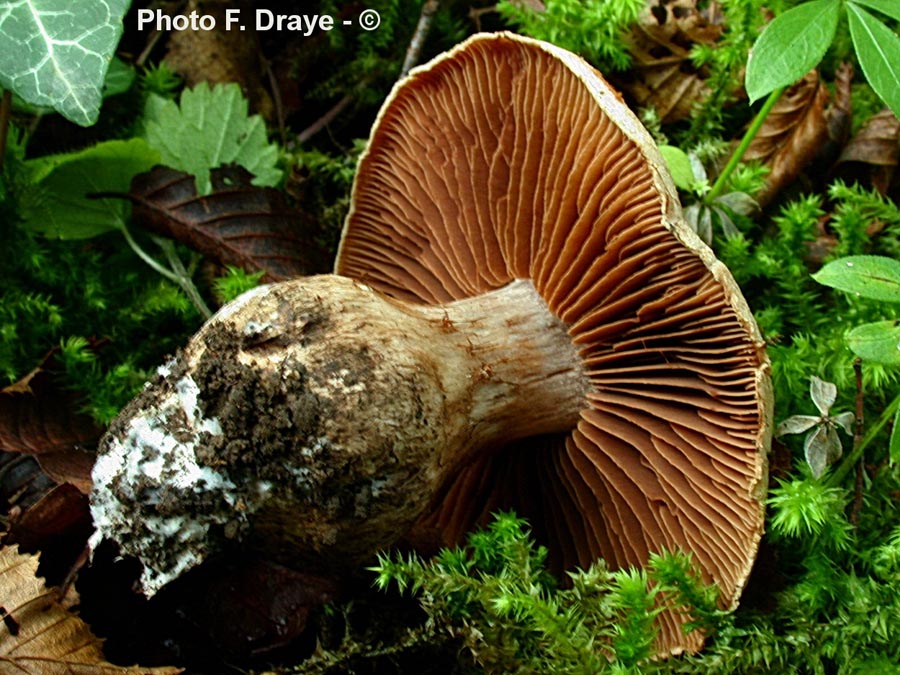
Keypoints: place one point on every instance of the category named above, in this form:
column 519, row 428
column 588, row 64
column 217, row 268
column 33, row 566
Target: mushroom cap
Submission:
column 511, row 158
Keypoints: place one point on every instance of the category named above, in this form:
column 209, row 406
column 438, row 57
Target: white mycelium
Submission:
column 152, row 463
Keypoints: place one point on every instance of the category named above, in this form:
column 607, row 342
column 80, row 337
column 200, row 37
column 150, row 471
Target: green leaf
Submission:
column 790, row 46
column 119, row 78
column 55, row 53
column 869, row 276
column 894, row 452
column 679, row 166
column 878, row 342
column 57, row 204
column 210, row 128
column 889, row 7
column 878, row 50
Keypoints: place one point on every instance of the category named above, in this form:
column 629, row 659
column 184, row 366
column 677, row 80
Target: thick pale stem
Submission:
column 317, row 420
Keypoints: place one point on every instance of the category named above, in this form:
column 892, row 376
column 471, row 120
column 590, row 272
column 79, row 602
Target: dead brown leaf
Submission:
column 663, row 75
column 38, row 636
column 40, row 418
column 792, row 134
column 238, row 224
column 873, row 154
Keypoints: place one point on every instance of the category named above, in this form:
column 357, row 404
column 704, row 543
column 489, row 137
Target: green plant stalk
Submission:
column 5, row 107
column 847, row 464
column 738, row 153
column 181, row 278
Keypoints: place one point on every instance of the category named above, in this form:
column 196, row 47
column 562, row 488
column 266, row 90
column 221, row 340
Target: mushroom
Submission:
column 520, row 319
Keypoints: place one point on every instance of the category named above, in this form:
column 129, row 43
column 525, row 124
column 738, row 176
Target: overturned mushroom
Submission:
column 523, row 320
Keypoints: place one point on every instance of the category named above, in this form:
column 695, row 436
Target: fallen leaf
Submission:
column 663, row 75
column 794, row 131
column 40, row 418
column 839, row 113
column 873, row 154
column 61, row 512
column 39, row 636
column 42, row 515
column 237, row 224
column 251, row 606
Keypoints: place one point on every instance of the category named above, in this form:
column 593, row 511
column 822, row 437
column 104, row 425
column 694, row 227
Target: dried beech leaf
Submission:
column 61, row 511
column 876, row 146
column 238, row 224
column 38, row 636
column 38, row 417
column 663, row 75
column 792, row 134
column 839, row 114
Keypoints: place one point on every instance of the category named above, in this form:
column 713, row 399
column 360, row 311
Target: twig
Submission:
column 475, row 15
column 429, row 9
column 325, row 119
column 5, row 109
column 276, row 99
column 856, row 509
column 849, row 461
column 154, row 38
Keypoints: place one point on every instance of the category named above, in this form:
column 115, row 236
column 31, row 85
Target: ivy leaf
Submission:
column 790, row 46
column 870, row 276
column 57, row 203
column 878, row 342
column 56, row 54
column 210, row 128
column 878, row 50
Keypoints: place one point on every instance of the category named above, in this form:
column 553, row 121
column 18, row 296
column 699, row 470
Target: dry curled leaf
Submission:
column 40, row 418
column 663, row 75
column 874, row 152
column 238, row 224
column 794, row 131
column 38, row 636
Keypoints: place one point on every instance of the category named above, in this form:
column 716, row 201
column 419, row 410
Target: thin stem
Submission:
column 5, row 108
column 149, row 259
column 738, row 153
column 429, row 9
column 184, row 278
column 178, row 276
column 857, row 437
column 851, row 459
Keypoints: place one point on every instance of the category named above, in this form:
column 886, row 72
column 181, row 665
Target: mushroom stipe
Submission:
column 519, row 319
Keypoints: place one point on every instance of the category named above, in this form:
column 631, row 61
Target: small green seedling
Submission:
column 876, row 278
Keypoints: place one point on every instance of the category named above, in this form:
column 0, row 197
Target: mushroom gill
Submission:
column 508, row 158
